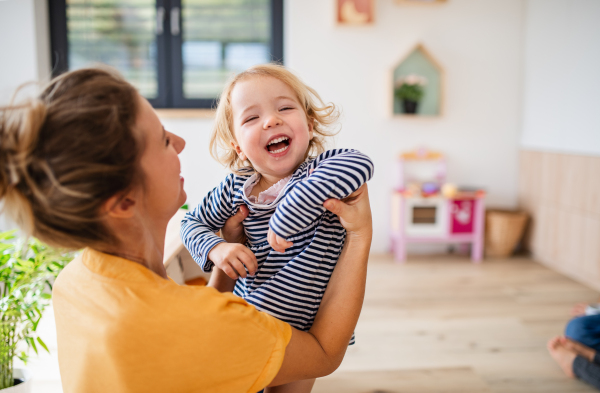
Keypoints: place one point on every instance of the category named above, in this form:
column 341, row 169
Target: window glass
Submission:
column 222, row 37
column 116, row 32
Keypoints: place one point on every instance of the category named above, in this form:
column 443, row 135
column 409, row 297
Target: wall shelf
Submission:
column 419, row 61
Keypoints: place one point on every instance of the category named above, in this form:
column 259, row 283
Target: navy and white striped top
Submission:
column 287, row 285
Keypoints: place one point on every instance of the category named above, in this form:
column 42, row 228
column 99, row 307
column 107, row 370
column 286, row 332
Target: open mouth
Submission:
column 278, row 145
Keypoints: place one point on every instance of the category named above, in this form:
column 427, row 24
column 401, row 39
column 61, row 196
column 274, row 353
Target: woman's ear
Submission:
column 239, row 151
column 120, row 206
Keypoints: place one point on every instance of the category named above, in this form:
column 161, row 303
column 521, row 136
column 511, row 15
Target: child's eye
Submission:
column 286, row 108
column 250, row 119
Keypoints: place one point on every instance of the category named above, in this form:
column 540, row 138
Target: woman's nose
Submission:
column 178, row 143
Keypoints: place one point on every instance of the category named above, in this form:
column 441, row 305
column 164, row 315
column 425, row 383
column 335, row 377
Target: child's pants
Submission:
column 585, row 330
column 587, row 371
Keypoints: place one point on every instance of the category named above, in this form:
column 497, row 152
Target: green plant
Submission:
column 409, row 92
column 410, row 88
column 27, row 270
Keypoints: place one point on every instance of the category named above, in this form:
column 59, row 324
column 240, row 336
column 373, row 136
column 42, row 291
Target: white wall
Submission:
column 479, row 45
column 24, row 50
column 562, row 76
column 478, row 42
column 24, row 45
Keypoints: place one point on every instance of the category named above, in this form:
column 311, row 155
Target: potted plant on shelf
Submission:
column 27, row 270
column 409, row 90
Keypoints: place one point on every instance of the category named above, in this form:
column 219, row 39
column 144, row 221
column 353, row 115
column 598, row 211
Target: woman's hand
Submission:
column 354, row 212
column 233, row 230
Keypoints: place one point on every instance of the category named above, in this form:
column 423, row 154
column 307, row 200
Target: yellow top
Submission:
column 122, row 328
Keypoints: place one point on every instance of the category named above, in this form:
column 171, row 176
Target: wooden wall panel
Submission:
column 561, row 192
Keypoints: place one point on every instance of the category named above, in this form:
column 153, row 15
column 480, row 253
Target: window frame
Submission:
column 168, row 49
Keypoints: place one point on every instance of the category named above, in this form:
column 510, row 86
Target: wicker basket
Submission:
column 503, row 231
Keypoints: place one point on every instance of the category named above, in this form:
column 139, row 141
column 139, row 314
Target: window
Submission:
column 178, row 53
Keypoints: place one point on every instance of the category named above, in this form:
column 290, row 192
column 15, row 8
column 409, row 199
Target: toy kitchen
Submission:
column 427, row 209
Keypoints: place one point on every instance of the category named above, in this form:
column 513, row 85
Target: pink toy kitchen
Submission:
column 428, row 209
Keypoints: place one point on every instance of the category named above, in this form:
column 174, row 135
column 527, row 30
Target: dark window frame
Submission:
column 169, row 52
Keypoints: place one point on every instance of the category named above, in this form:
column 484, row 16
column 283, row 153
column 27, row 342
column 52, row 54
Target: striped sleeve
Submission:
column 198, row 227
column 337, row 174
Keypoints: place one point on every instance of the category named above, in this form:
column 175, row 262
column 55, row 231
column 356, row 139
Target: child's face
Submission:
column 270, row 125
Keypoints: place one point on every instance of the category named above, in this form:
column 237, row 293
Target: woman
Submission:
column 89, row 165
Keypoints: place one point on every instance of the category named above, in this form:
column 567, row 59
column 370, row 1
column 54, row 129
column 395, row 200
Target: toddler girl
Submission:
column 268, row 126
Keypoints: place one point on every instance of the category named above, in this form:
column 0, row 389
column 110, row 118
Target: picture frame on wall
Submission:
column 355, row 12
column 419, row 1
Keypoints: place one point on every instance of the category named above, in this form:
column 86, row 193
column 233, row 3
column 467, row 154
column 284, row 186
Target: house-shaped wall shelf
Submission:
column 420, row 62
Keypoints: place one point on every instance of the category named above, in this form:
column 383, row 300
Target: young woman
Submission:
column 89, row 165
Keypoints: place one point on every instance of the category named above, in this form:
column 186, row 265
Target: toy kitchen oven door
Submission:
column 434, row 212
column 426, row 217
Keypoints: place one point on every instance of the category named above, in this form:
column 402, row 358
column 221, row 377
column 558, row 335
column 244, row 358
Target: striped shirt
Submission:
column 287, row 285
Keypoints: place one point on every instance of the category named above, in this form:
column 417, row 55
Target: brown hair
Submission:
column 322, row 115
column 63, row 154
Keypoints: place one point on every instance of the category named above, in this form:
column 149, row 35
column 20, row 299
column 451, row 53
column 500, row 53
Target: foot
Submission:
column 561, row 355
column 579, row 349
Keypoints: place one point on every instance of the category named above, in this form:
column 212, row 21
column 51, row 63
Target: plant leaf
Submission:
column 39, row 340
column 27, row 270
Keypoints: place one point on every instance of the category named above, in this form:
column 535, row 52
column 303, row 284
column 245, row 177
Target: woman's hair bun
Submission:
column 66, row 152
column 19, row 131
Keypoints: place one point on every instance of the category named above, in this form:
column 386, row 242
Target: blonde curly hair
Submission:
column 323, row 116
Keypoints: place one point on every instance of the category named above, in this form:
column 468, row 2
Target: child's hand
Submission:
column 579, row 309
column 232, row 257
column 278, row 243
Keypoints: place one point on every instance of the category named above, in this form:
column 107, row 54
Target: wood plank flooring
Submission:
column 443, row 324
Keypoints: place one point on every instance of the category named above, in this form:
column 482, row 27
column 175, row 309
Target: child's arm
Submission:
column 337, row 174
column 198, row 234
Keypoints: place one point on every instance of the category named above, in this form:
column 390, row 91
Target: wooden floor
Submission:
column 439, row 324
column 443, row 324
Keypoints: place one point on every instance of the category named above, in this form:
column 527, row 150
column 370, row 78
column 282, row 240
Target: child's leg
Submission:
column 303, row 386
column 585, row 330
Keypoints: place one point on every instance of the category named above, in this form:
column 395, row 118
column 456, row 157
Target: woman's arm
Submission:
column 232, row 232
column 320, row 351
column 221, row 281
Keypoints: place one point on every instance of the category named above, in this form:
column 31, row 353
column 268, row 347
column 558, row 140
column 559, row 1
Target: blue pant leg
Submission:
column 587, row 371
column 585, row 330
